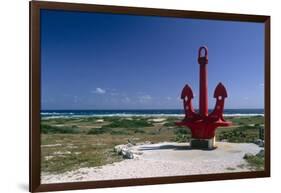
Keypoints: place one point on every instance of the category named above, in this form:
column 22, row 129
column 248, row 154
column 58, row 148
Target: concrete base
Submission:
column 203, row 143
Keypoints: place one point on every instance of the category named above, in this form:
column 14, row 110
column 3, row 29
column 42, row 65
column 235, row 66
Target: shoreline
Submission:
column 141, row 115
column 51, row 113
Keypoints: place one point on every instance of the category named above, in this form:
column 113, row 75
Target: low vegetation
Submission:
column 49, row 129
column 125, row 123
column 241, row 134
column 71, row 143
column 97, row 131
column 65, row 152
column 182, row 135
column 256, row 162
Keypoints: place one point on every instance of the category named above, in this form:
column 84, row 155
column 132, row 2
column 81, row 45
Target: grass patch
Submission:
column 246, row 120
column 97, row 131
column 255, row 162
column 171, row 121
column 169, row 124
column 181, row 130
column 125, row 123
column 48, row 129
column 182, row 135
column 138, row 130
column 243, row 134
column 76, row 151
column 119, row 132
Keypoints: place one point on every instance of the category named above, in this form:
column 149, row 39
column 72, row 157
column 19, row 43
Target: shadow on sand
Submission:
column 172, row 147
column 165, row 147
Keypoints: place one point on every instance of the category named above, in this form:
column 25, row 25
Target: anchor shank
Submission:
column 203, row 98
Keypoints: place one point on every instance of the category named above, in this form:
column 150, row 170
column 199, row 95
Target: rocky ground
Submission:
column 163, row 159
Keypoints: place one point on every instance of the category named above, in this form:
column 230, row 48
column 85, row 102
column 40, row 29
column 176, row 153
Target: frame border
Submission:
column 35, row 95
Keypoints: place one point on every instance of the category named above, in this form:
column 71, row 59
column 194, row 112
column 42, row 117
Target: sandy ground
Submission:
column 165, row 159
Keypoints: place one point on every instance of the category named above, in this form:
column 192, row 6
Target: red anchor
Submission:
column 202, row 124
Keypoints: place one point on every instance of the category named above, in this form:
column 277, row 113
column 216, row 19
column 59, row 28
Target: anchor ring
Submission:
column 205, row 51
column 203, row 59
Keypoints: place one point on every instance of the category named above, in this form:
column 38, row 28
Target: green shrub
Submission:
column 124, row 123
column 255, row 161
column 97, row 131
column 181, row 130
column 169, row 124
column 48, row 129
column 182, row 134
column 182, row 138
column 119, row 132
column 246, row 120
column 138, row 130
column 152, row 133
column 245, row 134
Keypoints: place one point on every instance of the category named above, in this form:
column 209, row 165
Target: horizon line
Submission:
column 142, row 109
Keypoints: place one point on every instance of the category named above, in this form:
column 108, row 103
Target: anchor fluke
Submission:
column 186, row 92
column 187, row 96
column 220, row 91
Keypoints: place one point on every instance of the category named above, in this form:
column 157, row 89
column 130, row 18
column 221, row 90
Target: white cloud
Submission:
column 126, row 100
column 144, row 98
column 114, row 94
column 99, row 91
column 168, row 98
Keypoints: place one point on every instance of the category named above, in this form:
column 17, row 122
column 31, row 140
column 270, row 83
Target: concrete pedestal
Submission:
column 203, row 143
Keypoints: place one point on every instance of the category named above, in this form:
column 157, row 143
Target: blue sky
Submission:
column 108, row 61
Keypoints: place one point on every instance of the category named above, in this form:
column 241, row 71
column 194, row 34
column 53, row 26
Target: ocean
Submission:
column 150, row 112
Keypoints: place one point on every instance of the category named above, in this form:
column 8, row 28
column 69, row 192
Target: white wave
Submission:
column 72, row 115
column 244, row 115
column 55, row 113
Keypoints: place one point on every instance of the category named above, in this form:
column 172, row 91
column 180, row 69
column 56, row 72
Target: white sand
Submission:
column 165, row 159
column 158, row 120
column 99, row 121
column 51, row 145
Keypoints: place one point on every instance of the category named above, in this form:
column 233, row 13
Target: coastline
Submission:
column 46, row 114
